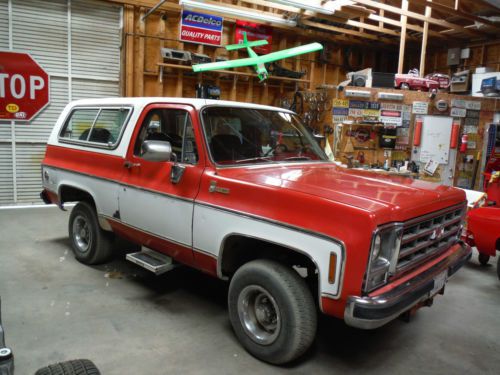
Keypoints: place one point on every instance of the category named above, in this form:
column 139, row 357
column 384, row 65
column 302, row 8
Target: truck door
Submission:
column 152, row 206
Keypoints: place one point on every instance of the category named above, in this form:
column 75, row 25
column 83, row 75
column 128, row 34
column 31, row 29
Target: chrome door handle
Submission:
column 130, row 165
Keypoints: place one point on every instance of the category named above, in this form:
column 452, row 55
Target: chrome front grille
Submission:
column 429, row 236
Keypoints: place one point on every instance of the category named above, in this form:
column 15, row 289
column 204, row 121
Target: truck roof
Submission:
column 197, row 103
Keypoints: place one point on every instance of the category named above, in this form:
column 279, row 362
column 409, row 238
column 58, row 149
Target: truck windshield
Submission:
column 249, row 136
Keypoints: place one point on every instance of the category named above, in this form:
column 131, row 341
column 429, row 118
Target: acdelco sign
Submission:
column 203, row 20
column 24, row 87
column 201, row 28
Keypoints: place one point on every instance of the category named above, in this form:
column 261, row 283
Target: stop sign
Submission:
column 24, row 87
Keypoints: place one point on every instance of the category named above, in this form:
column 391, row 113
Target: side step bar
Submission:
column 152, row 260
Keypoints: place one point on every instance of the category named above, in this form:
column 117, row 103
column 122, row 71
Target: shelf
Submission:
column 231, row 72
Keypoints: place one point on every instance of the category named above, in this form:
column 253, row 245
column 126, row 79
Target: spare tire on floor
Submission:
column 74, row 367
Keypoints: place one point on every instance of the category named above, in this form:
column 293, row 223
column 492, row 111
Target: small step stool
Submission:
column 152, row 261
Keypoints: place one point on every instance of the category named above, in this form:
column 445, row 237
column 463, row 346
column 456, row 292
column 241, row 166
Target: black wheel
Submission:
column 483, row 259
column 404, row 86
column 498, row 267
column 272, row 311
column 90, row 243
column 74, row 367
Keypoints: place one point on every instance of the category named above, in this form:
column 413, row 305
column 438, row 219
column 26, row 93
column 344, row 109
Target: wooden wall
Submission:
column 489, row 107
column 487, row 55
column 141, row 54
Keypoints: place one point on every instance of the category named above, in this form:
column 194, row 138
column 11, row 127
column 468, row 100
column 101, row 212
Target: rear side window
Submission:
column 95, row 125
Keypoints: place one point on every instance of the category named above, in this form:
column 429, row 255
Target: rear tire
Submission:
column 272, row 311
column 404, row 86
column 90, row 243
column 74, row 367
column 498, row 267
column 483, row 259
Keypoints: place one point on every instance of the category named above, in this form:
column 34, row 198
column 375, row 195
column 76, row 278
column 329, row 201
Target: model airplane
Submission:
column 255, row 60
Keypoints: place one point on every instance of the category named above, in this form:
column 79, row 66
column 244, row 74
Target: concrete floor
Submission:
column 130, row 322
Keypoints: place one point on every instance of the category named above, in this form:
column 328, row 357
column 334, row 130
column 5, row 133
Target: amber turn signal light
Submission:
column 332, row 269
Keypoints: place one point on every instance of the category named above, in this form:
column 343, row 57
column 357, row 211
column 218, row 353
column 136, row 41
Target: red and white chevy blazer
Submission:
column 243, row 192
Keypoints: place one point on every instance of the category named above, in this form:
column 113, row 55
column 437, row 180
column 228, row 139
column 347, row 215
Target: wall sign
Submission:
column 420, row 108
column 255, row 31
column 24, row 87
column 201, row 28
column 458, row 112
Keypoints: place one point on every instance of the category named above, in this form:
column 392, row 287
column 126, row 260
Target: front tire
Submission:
column 483, row 259
column 90, row 243
column 272, row 311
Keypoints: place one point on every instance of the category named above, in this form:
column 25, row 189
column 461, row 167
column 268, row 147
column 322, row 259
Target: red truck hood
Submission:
column 393, row 197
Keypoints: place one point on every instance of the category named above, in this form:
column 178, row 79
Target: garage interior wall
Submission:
column 78, row 43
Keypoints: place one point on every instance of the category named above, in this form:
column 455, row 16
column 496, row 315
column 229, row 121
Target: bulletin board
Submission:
column 435, row 140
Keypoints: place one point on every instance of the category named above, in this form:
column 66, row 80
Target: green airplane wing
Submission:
column 226, row 64
column 279, row 55
column 256, row 43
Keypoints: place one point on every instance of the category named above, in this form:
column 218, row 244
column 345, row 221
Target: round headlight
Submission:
column 376, row 247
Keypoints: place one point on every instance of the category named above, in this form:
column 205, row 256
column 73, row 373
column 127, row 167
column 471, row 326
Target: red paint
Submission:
column 455, row 128
column 205, row 263
column 484, row 224
column 417, row 135
column 196, row 35
column 24, row 87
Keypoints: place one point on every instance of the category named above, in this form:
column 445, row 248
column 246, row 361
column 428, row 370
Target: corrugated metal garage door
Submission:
column 78, row 43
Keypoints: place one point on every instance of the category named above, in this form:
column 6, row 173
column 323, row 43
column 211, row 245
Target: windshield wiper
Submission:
column 298, row 158
column 258, row 158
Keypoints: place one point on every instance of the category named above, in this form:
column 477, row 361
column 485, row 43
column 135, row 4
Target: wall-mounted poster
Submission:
column 436, row 134
column 255, row 31
column 201, row 28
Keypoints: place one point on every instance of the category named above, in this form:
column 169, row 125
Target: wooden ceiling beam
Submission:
column 420, row 17
column 448, row 10
column 346, row 31
column 409, row 26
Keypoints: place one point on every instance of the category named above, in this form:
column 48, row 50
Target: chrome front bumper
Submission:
column 374, row 311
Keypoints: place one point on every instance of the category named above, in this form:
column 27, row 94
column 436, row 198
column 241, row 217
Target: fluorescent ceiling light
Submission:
column 318, row 6
column 235, row 12
column 315, row 6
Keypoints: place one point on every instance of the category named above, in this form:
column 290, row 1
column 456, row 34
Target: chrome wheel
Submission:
column 82, row 233
column 259, row 314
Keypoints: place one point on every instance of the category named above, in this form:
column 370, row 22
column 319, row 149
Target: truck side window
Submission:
column 170, row 125
column 79, row 124
column 95, row 125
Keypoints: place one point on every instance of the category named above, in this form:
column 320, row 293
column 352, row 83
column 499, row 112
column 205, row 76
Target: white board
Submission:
column 435, row 141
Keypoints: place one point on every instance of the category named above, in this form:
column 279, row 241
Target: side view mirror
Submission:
column 157, row 150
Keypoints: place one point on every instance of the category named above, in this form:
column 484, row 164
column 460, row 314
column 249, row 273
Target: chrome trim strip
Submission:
column 146, row 232
column 121, row 183
column 435, row 213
